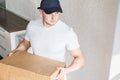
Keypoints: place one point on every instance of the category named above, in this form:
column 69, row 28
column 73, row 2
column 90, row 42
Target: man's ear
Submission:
column 41, row 12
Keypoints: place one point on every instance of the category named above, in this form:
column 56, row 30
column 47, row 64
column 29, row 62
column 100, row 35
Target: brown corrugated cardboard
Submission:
column 24, row 66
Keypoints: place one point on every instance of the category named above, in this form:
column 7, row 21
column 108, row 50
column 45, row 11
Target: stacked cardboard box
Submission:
column 24, row 66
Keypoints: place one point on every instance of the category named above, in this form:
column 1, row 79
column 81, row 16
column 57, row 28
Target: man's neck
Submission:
column 47, row 25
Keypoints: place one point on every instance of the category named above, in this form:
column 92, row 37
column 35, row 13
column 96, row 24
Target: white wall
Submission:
column 115, row 61
column 94, row 22
column 24, row 8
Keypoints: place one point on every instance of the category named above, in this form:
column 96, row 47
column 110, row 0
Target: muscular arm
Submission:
column 76, row 64
column 78, row 60
column 22, row 46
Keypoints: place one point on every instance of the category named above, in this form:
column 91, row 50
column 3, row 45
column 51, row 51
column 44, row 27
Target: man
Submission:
column 52, row 38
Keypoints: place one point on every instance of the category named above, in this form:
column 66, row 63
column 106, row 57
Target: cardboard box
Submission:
column 24, row 66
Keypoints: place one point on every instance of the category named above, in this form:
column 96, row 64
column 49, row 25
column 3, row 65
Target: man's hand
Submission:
column 62, row 73
column 12, row 52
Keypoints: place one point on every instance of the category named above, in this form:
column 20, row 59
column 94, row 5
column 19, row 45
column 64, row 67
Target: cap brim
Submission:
column 39, row 8
column 51, row 10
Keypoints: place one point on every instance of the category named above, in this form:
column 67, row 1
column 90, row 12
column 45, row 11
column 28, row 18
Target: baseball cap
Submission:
column 50, row 6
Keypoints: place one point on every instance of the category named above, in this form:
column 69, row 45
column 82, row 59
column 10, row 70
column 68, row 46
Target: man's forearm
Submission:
column 21, row 47
column 76, row 64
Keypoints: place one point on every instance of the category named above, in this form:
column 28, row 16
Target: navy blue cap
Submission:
column 50, row 6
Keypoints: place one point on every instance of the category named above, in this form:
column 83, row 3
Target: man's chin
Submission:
column 52, row 23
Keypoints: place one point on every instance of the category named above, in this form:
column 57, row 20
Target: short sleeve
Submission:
column 27, row 32
column 72, row 40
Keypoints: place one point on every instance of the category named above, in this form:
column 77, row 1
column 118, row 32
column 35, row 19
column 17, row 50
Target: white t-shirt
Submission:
column 52, row 42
